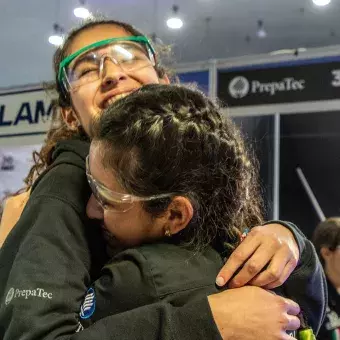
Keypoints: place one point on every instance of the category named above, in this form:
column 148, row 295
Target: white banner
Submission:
column 24, row 114
column 15, row 163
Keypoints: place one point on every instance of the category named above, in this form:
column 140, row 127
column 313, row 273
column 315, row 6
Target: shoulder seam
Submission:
column 151, row 276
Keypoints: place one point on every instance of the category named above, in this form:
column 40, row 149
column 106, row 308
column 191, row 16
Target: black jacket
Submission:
column 330, row 329
column 151, row 273
column 307, row 284
column 168, row 272
column 49, row 261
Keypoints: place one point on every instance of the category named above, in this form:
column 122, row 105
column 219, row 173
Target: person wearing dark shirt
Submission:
column 169, row 215
column 326, row 239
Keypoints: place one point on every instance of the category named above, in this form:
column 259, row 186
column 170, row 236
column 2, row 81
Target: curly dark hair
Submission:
column 170, row 138
column 327, row 234
column 59, row 130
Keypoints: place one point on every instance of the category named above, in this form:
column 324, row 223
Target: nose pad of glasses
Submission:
column 104, row 66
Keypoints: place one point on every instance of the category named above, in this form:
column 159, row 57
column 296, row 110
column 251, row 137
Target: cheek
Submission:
column 111, row 221
column 81, row 98
column 337, row 261
column 83, row 102
column 131, row 228
column 146, row 76
column 123, row 226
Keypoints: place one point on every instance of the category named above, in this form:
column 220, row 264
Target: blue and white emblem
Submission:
column 89, row 305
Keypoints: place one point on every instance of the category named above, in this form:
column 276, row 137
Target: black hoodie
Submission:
column 53, row 254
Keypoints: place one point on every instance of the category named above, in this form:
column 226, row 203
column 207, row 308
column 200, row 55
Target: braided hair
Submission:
column 170, row 138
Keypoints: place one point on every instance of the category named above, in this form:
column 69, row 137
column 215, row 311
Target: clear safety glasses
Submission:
column 115, row 201
column 87, row 65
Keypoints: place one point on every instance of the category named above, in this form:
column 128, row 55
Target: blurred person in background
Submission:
column 326, row 240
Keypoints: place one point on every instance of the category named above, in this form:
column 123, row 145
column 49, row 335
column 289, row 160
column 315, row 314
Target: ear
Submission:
column 179, row 214
column 164, row 80
column 325, row 253
column 70, row 118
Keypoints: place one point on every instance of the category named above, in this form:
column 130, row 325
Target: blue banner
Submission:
column 200, row 78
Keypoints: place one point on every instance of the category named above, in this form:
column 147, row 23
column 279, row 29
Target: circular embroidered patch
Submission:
column 89, row 305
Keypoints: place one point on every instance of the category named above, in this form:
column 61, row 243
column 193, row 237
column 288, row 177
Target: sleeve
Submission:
column 47, row 261
column 125, row 283
column 49, row 274
column 157, row 321
column 307, row 284
column 126, row 291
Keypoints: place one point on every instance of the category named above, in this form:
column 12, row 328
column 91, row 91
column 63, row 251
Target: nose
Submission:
column 93, row 209
column 112, row 73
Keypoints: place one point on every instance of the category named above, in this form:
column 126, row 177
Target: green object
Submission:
column 65, row 62
column 306, row 334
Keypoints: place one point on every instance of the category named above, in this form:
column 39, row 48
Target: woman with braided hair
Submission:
column 175, row 188
column 171, row 141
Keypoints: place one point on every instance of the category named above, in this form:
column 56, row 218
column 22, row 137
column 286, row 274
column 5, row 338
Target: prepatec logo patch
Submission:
column 89, row 305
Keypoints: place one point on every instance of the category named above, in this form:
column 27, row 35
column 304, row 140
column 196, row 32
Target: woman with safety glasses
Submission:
column 131, row 53
column 170, row 216
column 54, row 252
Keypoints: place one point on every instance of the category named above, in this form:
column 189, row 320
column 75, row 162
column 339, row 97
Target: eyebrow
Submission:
column 135, row 45
column 77, row 61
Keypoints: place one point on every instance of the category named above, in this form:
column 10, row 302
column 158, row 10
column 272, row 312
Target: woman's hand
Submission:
column 252, row 313
column 266, row 258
